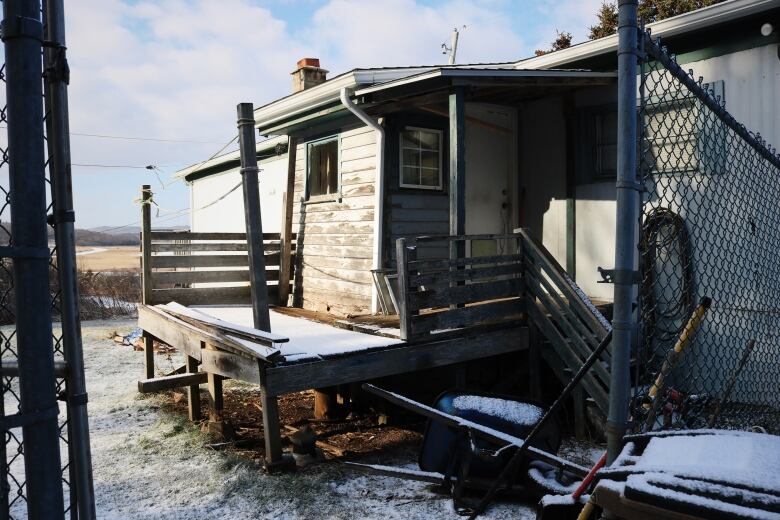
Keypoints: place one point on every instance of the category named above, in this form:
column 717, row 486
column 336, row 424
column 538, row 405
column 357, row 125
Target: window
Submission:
column 421, row 158
column 597, row 145
column 322, row 169
column 682, row 135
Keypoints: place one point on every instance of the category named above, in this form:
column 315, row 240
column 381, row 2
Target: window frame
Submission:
column 440, row 185
column 326, row 197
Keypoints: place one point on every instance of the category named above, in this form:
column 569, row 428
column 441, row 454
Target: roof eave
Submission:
column 698, row 19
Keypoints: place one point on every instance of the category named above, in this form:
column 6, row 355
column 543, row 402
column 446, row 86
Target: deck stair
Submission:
column 565, row 316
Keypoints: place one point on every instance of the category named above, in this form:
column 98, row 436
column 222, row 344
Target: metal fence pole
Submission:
column 58, row 141
column 22, row 33
column 254, row 224
column 626, row 227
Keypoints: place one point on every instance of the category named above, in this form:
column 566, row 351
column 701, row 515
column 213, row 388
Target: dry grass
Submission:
column 108, row 258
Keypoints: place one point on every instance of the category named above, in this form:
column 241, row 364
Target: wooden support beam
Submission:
column 158, row 384
column 534, row 360
column 216, row 400
column 457, row 187
column 271, row 424
column 148, row 355
column 285, row 261
column 253, row 216
column 146, row 243
column 193, row 391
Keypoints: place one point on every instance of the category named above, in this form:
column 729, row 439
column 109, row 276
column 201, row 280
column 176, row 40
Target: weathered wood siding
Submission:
column 335, row 241
column 413, row 212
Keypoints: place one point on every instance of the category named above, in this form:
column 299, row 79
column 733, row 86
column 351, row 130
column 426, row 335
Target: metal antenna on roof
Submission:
column 452, row 50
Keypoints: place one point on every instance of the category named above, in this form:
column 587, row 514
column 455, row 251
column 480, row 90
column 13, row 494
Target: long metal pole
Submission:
column 254, row 224
column 58, row 140
column 22, row 34
column 626, row 228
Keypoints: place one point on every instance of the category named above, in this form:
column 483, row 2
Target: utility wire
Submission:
column 134, row 138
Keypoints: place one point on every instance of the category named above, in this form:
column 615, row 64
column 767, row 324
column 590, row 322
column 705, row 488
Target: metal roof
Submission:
column 218, row 163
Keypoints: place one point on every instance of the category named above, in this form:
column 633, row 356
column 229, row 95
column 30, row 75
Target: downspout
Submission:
column 379, row 186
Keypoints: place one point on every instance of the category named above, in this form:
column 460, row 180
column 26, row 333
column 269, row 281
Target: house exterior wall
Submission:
column 227, row 214
column 751, row 82
column 335, row 239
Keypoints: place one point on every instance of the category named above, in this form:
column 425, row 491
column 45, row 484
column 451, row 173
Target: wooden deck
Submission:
column 369, row 356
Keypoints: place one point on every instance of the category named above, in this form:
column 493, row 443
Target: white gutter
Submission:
column 379, row 186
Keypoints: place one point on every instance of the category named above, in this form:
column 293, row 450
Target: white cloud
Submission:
column 177, row 68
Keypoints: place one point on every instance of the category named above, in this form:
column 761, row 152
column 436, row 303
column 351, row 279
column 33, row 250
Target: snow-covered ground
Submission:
column 152, row 464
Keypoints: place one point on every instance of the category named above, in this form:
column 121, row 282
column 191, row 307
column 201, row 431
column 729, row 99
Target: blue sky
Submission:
column 175, row 69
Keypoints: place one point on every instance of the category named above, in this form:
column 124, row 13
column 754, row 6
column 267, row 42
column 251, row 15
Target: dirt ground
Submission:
column 107, row 258
column 150, row 462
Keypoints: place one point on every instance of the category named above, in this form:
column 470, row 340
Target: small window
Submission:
column 322, row 159
column 421, row 158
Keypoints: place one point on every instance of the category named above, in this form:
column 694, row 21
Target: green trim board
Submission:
column 263, row 156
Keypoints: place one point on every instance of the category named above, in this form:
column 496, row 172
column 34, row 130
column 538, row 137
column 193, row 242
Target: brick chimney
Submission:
column 308, row 74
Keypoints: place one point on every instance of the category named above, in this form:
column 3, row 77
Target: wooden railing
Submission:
column 440, row 295
column 437, row 295
column 204, row 268
column 567, row 318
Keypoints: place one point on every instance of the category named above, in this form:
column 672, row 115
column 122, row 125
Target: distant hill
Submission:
column 126, row 236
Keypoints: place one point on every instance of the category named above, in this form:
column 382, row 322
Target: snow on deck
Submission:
column 309, row 340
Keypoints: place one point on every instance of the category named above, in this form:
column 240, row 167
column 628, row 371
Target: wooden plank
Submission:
column 193, row 392
column 193, row 235
column 170, row 247
column 167, row 278
column 231, row 366
column 579, row 347
column 553, row 269
column 171, row 330
column 201, row 295
column 181, row 261
column 445, row 277
column 471, row 293
column 590, row 337
column 409, row 357
column 493, row 312
column 261, row 337
column 146, row 243
column 440, row 264
column 158, row 384
column 561, row 347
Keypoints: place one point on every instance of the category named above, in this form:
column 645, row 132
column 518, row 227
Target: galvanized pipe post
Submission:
column 252, row 216
column 627, row 217
column 22, row 33
column 58, row 141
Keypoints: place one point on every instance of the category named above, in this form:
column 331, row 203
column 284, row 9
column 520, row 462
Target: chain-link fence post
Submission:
column 56, row 77
column 22, row 33
column 626, row 231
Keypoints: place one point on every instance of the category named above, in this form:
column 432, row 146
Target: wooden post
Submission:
column 285, row 262
column 146, row 244
column 403, row 255
column 253, row 217
column 193, row 391
column 534, row 360
column 148, row 355
column 271, row 432
column 457, row 187
column 571, row 189
column 580, row 426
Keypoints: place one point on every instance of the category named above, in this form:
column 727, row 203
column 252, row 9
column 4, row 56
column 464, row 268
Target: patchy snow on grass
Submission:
column 150, row 464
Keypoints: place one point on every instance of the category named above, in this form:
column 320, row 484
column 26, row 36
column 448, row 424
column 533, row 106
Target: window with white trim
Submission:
column 421, row 158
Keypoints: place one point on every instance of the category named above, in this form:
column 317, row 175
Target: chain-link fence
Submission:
column 43, row 414
column 710, row 232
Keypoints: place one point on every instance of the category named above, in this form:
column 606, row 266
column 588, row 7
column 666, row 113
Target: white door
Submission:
column 490, row 167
